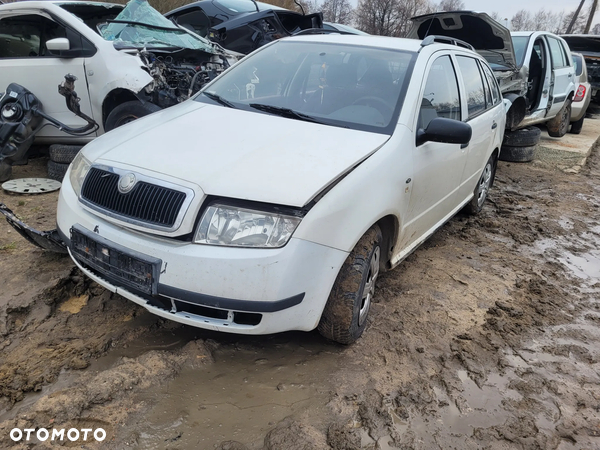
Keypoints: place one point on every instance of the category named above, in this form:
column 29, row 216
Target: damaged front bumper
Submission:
column 48, row 240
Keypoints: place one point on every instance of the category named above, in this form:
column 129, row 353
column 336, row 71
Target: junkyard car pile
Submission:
column 534, row 69
column 128, row 61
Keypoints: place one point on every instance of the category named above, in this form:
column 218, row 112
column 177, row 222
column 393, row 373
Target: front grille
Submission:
column 146, row 202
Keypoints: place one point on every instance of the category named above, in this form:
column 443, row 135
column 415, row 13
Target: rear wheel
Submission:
column 558, row 126
column 128, row 112
column 345, row 315
column 482, row 188
column 577, row 126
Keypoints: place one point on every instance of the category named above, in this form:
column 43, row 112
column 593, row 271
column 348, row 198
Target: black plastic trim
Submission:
column 229, row 303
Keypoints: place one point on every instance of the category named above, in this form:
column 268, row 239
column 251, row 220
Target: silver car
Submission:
column 583, row 94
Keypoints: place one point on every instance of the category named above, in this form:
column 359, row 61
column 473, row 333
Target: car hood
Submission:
column 237, row 154
column 488, row 37
column 583, row 43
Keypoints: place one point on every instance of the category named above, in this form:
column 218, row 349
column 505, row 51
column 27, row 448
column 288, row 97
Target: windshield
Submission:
column 520, row 45
column 139, row 25
column 341, row 85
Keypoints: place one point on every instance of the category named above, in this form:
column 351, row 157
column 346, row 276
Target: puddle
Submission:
column 242, row 395
column 585, row 266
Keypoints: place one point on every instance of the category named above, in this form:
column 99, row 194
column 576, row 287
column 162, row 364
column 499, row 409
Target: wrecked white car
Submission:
column 349, row 153
column 128, row 61
column 534, row 69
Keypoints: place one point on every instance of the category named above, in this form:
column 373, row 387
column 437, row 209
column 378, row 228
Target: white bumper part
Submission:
column 264, row 282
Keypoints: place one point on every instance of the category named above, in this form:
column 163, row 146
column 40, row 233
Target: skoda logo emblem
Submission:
column 126, row 183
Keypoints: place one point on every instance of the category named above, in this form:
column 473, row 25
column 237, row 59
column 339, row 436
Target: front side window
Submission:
column 341, row 85
column 557, row 53
column 440, row 98
column 473, row 85
column 520, row 45
column 25, row 36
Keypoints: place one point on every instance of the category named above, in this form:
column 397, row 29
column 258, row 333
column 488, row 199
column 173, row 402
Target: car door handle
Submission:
column 494, row 126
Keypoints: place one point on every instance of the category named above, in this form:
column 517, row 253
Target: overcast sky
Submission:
column 507, row 8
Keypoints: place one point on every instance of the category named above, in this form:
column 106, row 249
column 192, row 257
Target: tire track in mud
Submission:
column 486, row 337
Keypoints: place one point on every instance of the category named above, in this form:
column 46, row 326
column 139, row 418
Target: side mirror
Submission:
column 58, row 45
column 446, row 131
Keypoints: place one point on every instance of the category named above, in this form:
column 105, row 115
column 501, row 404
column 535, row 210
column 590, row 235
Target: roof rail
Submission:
column 431, row 39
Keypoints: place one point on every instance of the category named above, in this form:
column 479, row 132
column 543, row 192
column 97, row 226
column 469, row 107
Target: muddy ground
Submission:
column 486, row 337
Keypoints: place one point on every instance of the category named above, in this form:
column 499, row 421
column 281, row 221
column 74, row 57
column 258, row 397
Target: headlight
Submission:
column 79, row 169
column 238, row 227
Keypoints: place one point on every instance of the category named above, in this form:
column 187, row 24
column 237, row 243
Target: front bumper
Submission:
column 236, row 290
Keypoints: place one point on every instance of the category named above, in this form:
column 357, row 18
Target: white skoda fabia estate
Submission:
column 273, row 199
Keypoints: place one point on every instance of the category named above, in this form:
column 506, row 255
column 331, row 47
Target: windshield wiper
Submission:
column 284, row 112
column 219, row 99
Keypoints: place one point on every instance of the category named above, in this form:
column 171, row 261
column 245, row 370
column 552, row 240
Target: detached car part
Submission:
column 21, row 118
column 48, row 240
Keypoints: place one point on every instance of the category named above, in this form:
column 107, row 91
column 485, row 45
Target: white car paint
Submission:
column 367, row 176
column 98, row 75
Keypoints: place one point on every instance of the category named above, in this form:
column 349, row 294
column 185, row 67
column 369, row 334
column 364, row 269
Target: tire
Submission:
column 517, row 154
column 128, row 112
column 577, row 126
column 480, row 193
column 525, row 137
column 64, row 154
column 345, row 315
column 57, row 171
column 558, row 126
column 5, row 171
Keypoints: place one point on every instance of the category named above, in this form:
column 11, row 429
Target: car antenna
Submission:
column 301, row 8
column 430, row 23
column 253, row 1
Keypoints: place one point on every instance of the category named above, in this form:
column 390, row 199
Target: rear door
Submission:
column 563, row 74
column 25, row 60
column 483, row 115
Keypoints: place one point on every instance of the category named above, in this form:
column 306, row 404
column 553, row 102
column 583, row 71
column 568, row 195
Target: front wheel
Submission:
column 480, row 193
column 128, row 112
column 345, row 315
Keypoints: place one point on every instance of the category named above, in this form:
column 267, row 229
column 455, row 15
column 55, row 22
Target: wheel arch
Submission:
column 113, row 99
column 389, row 226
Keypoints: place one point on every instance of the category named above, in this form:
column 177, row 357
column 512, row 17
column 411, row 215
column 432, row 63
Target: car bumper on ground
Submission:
column 236, row 290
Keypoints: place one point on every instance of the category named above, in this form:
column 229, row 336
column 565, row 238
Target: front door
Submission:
column 438, row 167
column 25, row 60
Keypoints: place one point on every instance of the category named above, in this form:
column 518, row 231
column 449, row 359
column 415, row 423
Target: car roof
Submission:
column 392, row 43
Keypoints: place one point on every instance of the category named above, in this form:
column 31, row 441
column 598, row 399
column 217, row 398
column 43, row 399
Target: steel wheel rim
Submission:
column 369, row 289
column 484, row 184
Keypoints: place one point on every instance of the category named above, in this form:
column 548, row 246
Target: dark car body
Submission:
column 242, row 25
column 589, row 46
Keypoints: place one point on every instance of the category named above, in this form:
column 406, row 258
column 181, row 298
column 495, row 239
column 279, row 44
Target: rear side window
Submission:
column 577, row 60
column 475, row 90
column 557, row 53
column 440, row 98
column 495, row 90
